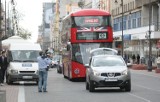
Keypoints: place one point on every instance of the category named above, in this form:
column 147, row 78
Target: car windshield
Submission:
column 107, row 61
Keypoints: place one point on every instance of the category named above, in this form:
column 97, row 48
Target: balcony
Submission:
column 138, row 3
column 145, row 2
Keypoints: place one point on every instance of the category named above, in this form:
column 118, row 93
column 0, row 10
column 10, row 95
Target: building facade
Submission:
column 136, row 26
column 47, row 17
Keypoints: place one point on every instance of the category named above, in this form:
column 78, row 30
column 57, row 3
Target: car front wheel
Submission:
column 87, row 86
column 91, row 86
column 128, row 86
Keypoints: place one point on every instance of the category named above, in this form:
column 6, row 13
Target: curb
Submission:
column 143, row 67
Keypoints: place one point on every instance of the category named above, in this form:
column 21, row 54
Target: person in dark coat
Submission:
column 133, row 58
column 138, row 59
column 3, row 65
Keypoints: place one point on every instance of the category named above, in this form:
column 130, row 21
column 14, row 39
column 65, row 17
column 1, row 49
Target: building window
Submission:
column 120, row 23
column 116, row 24
column 133, row 17
column 129, row 21
column 125, row 22
column 138, row 16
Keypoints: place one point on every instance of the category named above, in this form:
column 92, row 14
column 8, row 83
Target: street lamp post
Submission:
column 122, row 26
column 0, row 26
column 150, row 45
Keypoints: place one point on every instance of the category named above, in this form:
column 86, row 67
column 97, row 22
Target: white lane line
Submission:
column 146, row 74
column 146, row 88
column 21, row 94
column 146, row 100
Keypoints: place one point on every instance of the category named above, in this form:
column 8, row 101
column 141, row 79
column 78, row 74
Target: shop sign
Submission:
column 134, row 37
column 127, row 37
column 117, row 38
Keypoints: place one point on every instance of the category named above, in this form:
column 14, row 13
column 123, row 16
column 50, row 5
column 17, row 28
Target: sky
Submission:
column 32, row 15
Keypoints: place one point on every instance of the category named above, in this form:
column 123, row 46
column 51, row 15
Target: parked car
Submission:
column 59, row 65
column 107, row 71
column 55, row 60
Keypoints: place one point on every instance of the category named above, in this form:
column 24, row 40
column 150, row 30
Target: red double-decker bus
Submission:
column 83, row 31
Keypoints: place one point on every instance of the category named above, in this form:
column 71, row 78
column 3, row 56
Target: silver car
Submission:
column 107, row 71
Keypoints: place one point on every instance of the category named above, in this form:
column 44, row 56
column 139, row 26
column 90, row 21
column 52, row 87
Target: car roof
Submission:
column 100, row 49
column 106, row 56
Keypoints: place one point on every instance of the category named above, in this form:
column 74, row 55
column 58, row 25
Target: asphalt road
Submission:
column 145, row 88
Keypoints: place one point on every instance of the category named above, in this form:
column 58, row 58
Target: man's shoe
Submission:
column 45, row 91
column 1, row 84
column 39, row 91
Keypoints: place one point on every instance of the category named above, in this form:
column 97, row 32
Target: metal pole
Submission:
column 122, row 27
column 0, row 26
column 5, row 19
column 150, row 45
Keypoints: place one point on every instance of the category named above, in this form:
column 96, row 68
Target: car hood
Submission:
column 110, row 69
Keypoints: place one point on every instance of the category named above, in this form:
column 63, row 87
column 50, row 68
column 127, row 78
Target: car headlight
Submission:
column 14, row 71
column 125, row 72
column 96, row 73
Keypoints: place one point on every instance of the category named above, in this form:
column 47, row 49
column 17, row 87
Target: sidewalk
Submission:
column 144, row 67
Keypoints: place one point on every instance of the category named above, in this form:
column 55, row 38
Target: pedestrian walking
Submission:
column 43, row 63
column 158, row 62
column 126, row 58
column 133, row 58
column 138, row 58
column 3, row 65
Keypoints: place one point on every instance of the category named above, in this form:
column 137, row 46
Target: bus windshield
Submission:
column 81, row 51
column 92, row 21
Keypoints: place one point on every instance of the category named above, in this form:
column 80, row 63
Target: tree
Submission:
column 25, row 34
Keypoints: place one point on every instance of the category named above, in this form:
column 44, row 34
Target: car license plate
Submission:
column 111, row 79
column 26, row 65
column 27, row 77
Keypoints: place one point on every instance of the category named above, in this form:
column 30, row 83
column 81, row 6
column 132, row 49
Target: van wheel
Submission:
column 8, row 81
column 91, row 86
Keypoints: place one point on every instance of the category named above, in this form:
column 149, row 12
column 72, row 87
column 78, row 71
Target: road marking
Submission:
column 139, row 97
column 21, row 94
column 146, row 88
column 146, row 74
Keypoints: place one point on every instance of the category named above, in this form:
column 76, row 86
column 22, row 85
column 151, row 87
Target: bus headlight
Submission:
column 76, row 71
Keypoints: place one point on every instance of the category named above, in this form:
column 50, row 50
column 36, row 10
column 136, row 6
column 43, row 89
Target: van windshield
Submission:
column 24, row 55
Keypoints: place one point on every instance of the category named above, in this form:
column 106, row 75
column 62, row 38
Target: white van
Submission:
column 23, row 65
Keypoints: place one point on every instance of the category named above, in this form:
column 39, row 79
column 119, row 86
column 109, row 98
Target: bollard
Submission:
column 2, row 96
